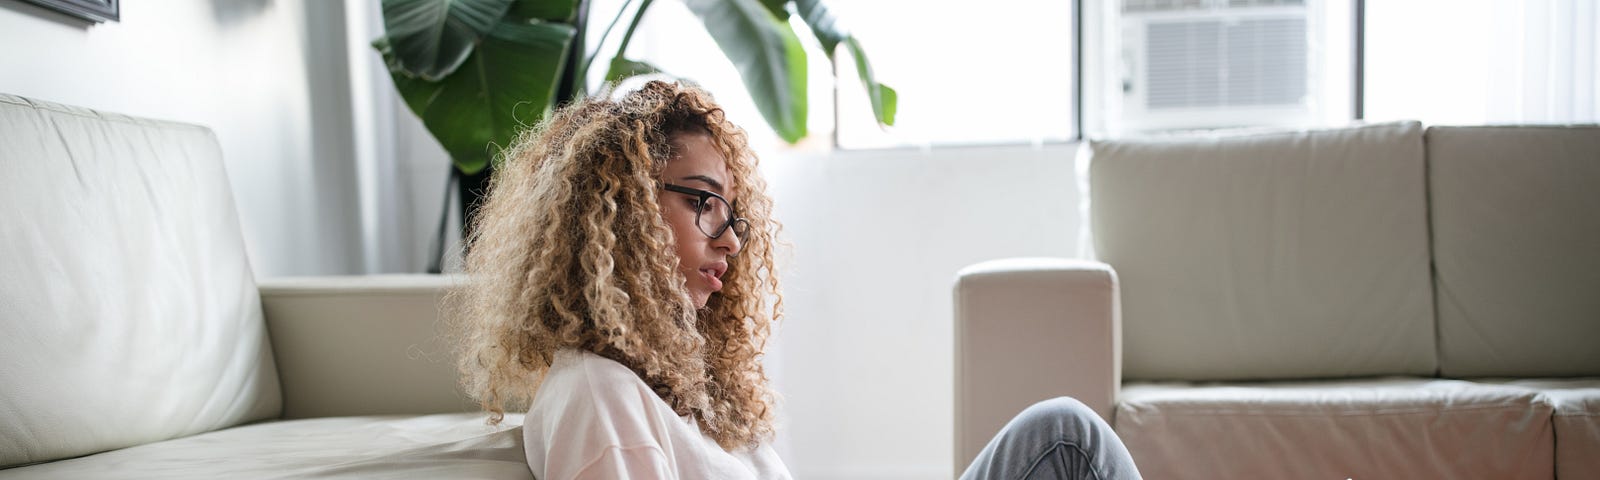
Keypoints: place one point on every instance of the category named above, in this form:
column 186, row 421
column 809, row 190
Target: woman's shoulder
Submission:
column 584, row 364
column 585, row 395
column 583, row 379
column 588, row 407
column 585, row 367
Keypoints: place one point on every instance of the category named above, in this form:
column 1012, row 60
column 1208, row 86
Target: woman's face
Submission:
column 701, row 259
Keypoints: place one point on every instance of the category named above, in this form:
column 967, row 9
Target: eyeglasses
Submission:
column 712, row 213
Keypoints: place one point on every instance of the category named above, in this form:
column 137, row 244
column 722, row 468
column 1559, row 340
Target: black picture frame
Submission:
column 91, row 10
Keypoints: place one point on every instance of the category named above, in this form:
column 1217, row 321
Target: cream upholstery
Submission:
column 136, row 341
column 1516, row 228
column 434, row 446
column 1271, row 255
column 128, row 306
column 1576, row 423
column 1059, row 312
column 1371, row 428
column 1361, row 264
column 341, row 350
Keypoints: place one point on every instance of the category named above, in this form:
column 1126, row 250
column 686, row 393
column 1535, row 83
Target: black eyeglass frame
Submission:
column 740, row 225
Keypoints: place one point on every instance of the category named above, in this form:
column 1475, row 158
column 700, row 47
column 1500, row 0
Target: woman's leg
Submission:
column 1060, row 438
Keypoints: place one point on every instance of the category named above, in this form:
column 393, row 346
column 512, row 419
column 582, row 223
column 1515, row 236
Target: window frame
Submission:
column 1358, row 86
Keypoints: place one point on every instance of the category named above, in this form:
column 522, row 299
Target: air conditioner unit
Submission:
column 1217, row 63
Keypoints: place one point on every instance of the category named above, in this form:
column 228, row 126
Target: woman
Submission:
column 623, row 287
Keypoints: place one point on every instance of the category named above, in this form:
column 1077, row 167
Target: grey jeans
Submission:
column 1060, row 438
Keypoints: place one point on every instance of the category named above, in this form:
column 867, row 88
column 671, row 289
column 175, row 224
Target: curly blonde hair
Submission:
column 570, row 251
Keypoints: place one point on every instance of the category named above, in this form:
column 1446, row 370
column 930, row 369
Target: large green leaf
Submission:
column 884, row 99
column 553, row 10
column 777, row 8
column 431, row 38
column 502, row 87
column 823, row 24
column 415, row 91
column 830, row 32
column 768, row 56
column 623, row 68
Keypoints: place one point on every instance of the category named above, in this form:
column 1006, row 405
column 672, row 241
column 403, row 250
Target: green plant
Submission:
column 478, row 71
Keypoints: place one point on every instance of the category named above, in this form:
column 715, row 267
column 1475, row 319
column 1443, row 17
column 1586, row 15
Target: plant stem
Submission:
column 572, row 87
column 583, row 70
column 634, row 25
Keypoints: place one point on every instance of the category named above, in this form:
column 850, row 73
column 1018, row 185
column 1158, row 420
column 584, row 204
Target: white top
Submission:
column 594, row 418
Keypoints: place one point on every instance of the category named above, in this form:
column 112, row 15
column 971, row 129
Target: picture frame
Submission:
column 92, row 10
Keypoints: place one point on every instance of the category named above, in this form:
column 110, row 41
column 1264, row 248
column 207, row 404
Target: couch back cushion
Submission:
column 1268, row 255
column 129, row 311
column 1516, row 241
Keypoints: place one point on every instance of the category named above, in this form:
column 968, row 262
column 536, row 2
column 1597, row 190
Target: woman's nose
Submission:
column 728, row 243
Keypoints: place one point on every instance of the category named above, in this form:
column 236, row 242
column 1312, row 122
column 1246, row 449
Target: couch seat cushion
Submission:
column 433, row 446
column 1576, row 422
column 1374, row 428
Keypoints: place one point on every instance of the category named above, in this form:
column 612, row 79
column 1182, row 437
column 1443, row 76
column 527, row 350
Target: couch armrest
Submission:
column 361, row 345
column 1029, row 329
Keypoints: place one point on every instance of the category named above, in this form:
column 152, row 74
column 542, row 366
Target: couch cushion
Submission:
column 1576, row 422
column 129, row 309
column 1268, row 255
column 434, row 446
column 1516, row 241
column 1380, row 428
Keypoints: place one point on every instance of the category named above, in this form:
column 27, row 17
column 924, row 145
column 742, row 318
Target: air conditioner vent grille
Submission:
column 1135, row 6
column 1212, row 63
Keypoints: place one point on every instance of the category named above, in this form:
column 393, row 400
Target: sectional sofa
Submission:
column 1376, row 301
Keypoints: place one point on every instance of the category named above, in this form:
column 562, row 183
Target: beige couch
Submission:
column 137, row 343
column 1378, row 301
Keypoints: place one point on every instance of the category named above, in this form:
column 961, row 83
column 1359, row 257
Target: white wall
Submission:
column 864, row 358
column 268, row 76
column 402, row 170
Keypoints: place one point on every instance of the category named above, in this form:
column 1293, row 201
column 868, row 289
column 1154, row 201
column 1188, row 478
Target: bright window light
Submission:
column 999, row 71
column 1470, row 62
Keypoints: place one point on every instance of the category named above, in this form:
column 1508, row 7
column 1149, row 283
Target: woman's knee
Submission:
column 1063, row 415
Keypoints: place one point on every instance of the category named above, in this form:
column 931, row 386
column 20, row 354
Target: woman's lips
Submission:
column 712, row 272
column 711, row 279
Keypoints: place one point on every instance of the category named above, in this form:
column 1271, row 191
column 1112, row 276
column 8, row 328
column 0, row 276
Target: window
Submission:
column 1005, row 71
column 1185, row 64
column 1486, row 61
column 998, row 71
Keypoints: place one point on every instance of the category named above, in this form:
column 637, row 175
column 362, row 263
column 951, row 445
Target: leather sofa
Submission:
column 1373, row 301
column 137, row 342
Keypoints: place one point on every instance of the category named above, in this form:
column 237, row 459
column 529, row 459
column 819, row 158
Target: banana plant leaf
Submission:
column 431, row 38
column 506, row 84
column 884, row 99
column 767, row 54
column 564, row 11
column 826, row 27
column 623, row 68
column 777, row 8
